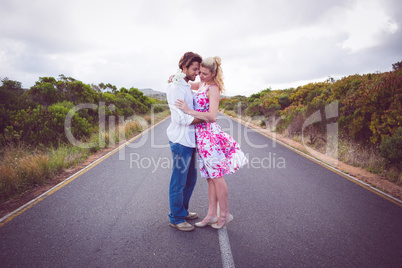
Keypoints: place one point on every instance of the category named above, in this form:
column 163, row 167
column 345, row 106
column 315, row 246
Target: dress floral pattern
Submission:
column 218, row 153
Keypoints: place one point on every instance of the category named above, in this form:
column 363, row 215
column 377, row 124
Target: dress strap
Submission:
column 205, row 90
column 209, row 87
column 212, row 85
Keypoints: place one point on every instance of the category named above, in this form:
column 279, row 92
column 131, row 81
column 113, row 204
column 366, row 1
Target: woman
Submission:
column 219, row 153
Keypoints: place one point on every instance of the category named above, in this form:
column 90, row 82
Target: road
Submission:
column 288, row 212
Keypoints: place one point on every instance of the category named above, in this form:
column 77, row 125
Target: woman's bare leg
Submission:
column 222, row 196
column 213, row 202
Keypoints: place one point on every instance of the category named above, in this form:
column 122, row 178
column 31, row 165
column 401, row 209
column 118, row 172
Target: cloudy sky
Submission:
column 278, row 44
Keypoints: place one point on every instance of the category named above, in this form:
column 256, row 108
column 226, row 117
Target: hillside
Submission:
column 154, row 94
column 357, row 119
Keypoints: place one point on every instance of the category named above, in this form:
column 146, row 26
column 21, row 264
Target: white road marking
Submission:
column 226, row 251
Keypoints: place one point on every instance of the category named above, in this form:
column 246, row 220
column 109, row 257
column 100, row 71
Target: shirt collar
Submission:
column 183, row 82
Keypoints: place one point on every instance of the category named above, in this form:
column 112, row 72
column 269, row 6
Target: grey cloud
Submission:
column 162, row 31
column 45, row 26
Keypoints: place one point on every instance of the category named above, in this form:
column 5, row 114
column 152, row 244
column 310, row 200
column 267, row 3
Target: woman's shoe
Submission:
column 228, row 219
column 212, row 221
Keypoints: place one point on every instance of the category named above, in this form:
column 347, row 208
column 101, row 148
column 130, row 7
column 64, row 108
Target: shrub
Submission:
column 373, row 111
column 228, row 106
column 284, row 101
column 45, row 91
column 391, row 149
column 296, row 125
column 223, row 102
column 253, row 109
column 45, row 125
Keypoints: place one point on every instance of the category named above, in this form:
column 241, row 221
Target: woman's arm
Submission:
column 195, row 85
column 212, row 114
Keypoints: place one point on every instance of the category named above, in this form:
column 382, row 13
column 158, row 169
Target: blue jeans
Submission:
column 182, row 181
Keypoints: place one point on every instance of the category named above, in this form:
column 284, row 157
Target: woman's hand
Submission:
column 171, row 78
column 182, row 105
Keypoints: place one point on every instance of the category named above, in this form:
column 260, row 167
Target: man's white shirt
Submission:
column 180, row 131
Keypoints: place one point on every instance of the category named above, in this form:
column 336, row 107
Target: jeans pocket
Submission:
column 175, row 147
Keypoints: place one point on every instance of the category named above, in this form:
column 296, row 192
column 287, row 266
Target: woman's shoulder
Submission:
column 213, row 87
column 213, row 92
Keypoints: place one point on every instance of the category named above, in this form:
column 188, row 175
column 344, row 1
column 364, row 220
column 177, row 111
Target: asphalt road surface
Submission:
column 288, row 212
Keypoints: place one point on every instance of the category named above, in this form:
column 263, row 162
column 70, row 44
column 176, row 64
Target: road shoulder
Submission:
column 22, row 199
column 362, row 175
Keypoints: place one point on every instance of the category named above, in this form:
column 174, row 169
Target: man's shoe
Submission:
column 184, row 226
column 191, row 216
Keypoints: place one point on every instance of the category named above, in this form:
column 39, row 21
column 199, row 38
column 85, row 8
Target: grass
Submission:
column 369, row 158
column 23, row 167
column 366, row 157
column 358, row 155
column 355, row 154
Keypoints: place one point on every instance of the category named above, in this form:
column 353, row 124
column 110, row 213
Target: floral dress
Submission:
column 218, row 153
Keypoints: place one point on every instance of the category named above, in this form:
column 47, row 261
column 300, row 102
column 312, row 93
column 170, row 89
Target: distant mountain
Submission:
column 154, row 94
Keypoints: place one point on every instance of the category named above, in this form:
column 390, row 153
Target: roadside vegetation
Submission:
column 367, row 110
column 34, row 145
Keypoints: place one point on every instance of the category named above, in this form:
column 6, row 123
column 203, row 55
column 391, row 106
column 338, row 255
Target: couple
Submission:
column 193, row 125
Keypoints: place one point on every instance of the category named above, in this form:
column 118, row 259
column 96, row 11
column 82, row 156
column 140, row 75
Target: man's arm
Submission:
column 177, row 115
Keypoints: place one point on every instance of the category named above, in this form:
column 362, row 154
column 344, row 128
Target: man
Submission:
column 181, row 136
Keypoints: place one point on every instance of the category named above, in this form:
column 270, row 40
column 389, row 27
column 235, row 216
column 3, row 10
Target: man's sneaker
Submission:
column 184, row 226
column 192, row 216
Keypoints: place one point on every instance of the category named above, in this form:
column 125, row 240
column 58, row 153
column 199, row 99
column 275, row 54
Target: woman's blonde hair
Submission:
column 213, row 64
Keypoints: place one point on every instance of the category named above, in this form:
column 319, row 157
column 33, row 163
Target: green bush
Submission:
column 391, row 149
column 45, row 91
column 45, row 125
column 254, row 109
column 284, row 101
column 228, row 106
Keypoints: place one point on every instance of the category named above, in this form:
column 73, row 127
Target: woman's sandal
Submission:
column 228, row 219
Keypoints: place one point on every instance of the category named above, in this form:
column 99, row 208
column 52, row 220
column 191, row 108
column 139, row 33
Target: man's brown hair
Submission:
column 188, row 59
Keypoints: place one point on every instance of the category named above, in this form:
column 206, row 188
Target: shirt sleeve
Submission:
column 178, row 116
